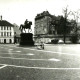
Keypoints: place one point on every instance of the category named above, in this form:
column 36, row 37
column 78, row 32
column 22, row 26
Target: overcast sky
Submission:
column 17, row 11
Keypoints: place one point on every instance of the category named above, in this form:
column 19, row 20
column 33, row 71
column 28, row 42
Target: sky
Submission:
column 17, row 11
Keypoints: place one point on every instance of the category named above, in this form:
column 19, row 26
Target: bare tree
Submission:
column 66, row 14
column 65, row 11
column 76, row 15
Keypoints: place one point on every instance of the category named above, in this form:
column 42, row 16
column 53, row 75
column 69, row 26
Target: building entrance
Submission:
column 10, row 41
column 4, row 40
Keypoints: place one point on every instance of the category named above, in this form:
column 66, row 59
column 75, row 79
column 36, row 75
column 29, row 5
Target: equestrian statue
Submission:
column 26, row 38
column 27, row 25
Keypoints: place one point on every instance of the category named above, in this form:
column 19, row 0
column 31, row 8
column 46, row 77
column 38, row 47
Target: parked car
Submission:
column 61, row 41
column 54, row 41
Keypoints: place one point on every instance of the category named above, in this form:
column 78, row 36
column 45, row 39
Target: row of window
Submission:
column 7, row 34
column 5, row 28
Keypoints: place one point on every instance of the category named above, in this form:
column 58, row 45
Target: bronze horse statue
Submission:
column 27, row 25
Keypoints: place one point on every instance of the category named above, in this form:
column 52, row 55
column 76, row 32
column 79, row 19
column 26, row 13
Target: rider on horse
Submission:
column 27, row 25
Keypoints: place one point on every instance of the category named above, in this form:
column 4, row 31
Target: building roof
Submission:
column 46, row 13
column 41, row 15
column 5, row 23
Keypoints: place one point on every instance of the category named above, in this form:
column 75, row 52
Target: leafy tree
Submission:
column 59, row 25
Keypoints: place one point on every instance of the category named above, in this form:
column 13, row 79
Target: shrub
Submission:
column 54, row 41
column 74, row 38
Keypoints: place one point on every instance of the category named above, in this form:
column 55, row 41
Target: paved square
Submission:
column 55, row 62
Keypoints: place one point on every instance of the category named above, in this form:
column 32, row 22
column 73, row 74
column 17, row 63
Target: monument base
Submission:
column 26, row 39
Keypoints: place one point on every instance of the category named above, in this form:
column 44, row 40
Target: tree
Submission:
column 66, row 27
column 65, row 21
column 59, row 25
column 63, row 25
column 75, row 35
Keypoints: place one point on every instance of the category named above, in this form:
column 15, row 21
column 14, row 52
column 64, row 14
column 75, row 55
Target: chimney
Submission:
column 1, row 17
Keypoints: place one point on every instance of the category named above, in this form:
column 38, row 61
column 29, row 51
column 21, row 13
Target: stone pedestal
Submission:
column 26, row 39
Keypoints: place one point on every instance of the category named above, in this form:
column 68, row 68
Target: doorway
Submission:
column 10, row 41
column 4, row 40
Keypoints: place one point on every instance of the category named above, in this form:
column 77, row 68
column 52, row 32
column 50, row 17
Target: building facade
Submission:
column 44, row 30
column 43, row 24
column 17, row 33
column 50, row 28
column 6, row 32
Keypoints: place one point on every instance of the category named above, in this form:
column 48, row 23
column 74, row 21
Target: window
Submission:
column 1, row 27
column 4, row 27
column 53, row 32
column 7, row 27
column 10, row 28
column 7, row 33
column 1, row 33
column 10, row 33
column 4, row 33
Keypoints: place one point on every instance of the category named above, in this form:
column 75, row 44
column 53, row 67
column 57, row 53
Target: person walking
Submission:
column 42, row 45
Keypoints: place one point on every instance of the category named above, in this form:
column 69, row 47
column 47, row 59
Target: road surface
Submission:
column 55, row 62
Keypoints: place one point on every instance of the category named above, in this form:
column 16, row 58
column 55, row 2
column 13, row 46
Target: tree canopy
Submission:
column 62, row 25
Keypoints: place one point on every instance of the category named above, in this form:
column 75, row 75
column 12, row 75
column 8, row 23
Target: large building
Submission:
column 43, row 29
column 51, row 28
column 43, row 24
column 6, row 31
